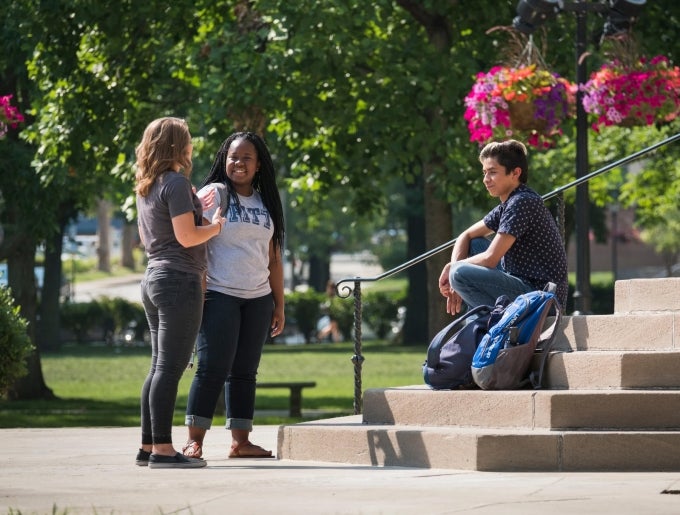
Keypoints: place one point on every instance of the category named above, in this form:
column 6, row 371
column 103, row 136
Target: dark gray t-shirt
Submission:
column 538, row 255
column 170, row 196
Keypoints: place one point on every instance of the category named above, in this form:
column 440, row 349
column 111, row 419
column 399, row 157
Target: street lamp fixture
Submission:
column 622, row 15
column 531, row 14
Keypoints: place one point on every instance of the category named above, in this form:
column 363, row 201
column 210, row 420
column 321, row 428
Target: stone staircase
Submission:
column 612, row 403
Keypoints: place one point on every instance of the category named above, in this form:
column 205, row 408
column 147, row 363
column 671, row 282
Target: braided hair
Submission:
column 264, row 181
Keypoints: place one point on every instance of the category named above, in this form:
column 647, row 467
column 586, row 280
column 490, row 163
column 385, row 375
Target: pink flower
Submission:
column 9, row 115
column 644, row 93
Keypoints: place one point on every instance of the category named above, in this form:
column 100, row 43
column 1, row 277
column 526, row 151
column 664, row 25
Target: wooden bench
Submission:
column 295, row 388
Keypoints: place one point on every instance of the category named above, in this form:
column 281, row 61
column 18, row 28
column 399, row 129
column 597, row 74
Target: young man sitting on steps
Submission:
column 526, row 251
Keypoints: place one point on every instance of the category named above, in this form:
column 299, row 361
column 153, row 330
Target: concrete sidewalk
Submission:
column 91, row 470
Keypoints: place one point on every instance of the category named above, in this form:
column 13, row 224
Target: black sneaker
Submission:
column 142, row 458
column 178, row 461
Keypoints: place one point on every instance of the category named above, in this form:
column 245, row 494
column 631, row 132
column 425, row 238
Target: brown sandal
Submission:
column 192, row 449
column 248, row 449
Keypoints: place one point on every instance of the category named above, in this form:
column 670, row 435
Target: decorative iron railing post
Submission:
column 357, row 359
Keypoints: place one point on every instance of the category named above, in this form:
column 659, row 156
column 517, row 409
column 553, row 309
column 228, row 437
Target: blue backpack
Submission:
column 503, row 358
column 450, row 352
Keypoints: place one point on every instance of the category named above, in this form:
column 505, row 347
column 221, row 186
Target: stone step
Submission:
column 349, row 440
column 632, row 332
column 524, row 409
column 606, row 370
column 639, row 295
column 611, row 406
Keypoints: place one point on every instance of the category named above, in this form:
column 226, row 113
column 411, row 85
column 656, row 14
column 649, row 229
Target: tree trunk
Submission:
column 31, row 386
column 104, row 230
column 415, row 330
column 438, row 230
column 438, row 220
column 319, row 272
column 21, row 275
column 128, row 243
column 48, row 325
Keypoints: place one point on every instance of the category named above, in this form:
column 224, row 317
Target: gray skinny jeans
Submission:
column 173, row 302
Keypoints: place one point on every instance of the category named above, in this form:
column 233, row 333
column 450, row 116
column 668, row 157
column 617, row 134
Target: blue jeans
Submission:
column 232, row 336
column 479, row 285
column 173, row 303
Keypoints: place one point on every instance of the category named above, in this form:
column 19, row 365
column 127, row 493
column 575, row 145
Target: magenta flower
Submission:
column 644, row 93
column 9, row 115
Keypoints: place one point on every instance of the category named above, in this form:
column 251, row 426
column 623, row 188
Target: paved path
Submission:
column 92, row 471
column 126, row 287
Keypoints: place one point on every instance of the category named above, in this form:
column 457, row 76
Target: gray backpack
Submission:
column 504, row 355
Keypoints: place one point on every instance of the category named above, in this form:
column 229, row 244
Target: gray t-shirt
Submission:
column 170, row 196
column 238, row 258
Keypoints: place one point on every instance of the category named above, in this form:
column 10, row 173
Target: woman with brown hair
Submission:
column 170, row 219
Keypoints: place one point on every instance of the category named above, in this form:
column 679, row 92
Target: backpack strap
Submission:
column 224, row 196
column 546, row 341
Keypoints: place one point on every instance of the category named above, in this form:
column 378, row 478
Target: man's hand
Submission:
column 454, row 302
column 444, row 286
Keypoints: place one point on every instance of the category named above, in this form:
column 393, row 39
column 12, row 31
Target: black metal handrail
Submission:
column 346, row 290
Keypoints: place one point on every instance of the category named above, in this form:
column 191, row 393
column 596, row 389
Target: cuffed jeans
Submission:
column 479, row 285
column 232, row 335
column 173, row 303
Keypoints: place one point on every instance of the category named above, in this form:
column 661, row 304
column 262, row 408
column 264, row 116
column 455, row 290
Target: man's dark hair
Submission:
column 509, row 154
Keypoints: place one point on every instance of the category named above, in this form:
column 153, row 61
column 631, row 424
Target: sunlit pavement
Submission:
column 92, row 470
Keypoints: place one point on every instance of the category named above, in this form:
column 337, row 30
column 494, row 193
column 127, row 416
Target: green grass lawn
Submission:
column 99, row 385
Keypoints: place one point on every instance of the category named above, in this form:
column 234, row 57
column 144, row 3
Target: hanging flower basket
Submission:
column 526, row 102
column 646, row 92
column 9, row 115
column 523, row 117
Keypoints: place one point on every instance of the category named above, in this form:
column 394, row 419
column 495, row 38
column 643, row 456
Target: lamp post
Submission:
column 620, row 15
